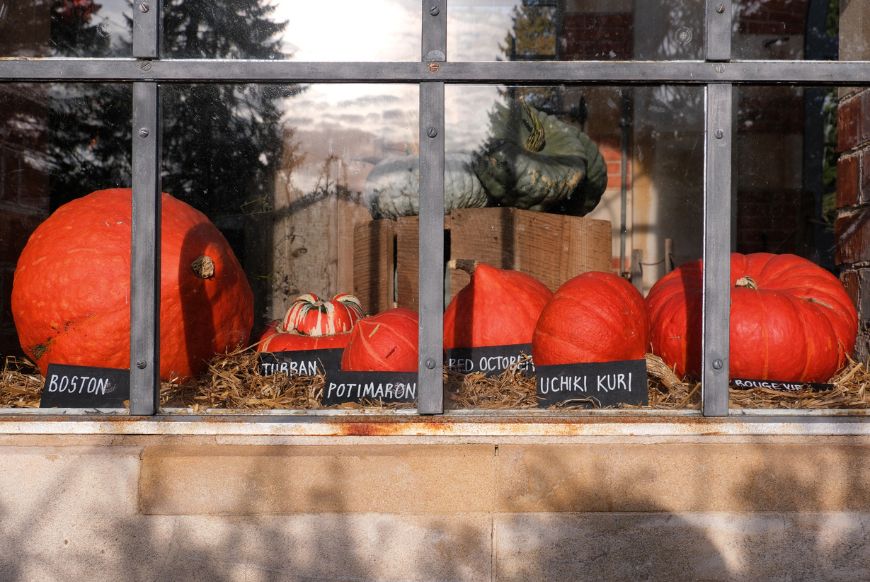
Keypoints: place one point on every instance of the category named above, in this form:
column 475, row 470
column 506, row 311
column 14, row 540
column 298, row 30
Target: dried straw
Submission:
column 20, row 384
column 512, row 389
column 233, row 381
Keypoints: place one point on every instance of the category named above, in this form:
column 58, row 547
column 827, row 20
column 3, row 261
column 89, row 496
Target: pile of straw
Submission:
column 233, row 382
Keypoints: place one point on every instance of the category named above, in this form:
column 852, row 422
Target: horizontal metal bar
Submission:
column 591, row 72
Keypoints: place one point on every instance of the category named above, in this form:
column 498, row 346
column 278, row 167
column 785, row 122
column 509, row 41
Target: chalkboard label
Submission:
column 341, row 387
column 596, row 385
column 741, row 384
column 491, row 360
column 300, row 363
column 85, row 387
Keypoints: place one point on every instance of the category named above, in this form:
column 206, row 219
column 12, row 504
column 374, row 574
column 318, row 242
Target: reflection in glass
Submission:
column 651, row 144
column 578, row 180
column 65, row 28
column 282, row 171
column 58, row 143
column 562, row 30
column 801, row 233
column 330, row 30
column 792, row 29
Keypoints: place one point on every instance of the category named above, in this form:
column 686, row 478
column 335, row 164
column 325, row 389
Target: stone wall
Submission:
column 113, row 507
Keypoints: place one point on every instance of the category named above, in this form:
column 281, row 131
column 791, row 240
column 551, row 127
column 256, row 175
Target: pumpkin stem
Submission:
column 746, row 282
column 536, row 140
column 467, row 265
column 203, row 267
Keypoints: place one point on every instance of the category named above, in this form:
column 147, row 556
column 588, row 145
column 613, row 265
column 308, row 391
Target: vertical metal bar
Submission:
column 717, row 246
column 431, row 277
column 720, row 14
column 434, row 30
column 431, row 282
column 146, row 28
column 145, row 259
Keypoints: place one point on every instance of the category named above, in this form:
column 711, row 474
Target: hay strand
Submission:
column 233, row 382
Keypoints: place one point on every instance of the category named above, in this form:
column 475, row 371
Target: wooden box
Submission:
column 550, row 247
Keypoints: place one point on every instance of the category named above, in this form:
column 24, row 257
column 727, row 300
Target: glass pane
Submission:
column 799, row 30
column 65, row 28
column 557, row 186
column 574, row 30
column 331, row 30
column 284, row 176
column 64, row 292
column 803, row 240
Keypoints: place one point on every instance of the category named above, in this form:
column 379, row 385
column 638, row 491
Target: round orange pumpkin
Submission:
column 71, row 291
column 498, row 307
column 594, row 317
column 790, row 319
column 385, row 342
column 273, row 340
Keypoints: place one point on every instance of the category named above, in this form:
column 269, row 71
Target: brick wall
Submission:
column 852, row 228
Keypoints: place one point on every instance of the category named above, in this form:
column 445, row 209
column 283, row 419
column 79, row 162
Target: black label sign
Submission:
column 491, row 360
column 741, row 384
column 85, row 387
column 300, row 363
column 341, row 387
column 597, row 384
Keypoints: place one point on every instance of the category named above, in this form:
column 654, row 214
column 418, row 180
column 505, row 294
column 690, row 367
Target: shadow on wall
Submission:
column 84, row 523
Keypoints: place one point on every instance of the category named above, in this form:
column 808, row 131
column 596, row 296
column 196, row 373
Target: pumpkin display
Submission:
column 71, row 291
column 393, row 187
column 384, row 342
column 534, row 161
column 790, row 320
column 274, row 340
column 594, row 317
column 497, row 307
column 312, row 316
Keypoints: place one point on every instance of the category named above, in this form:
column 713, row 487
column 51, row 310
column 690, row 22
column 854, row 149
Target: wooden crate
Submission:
column 550, row 247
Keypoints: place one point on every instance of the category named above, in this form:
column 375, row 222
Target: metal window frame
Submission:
column 717, row 73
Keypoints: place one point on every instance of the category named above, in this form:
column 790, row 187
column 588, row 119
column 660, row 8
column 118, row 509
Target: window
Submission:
column 359, row 148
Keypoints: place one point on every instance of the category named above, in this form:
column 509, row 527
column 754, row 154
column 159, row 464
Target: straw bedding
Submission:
column 234, row 382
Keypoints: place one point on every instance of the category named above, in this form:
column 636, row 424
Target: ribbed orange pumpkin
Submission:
column 594, row 317
column 791, row 320
column 384, row 342
column 273, row 340
column 311, row 315
column 71, row 292
column 498, row 307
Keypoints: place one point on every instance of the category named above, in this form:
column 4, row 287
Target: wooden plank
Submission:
column 373, row 264
column 407, row 261
column 550, row 247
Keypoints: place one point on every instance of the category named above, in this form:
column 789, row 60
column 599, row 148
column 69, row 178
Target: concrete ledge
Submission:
column 683, row 477
column 236, row 480
column 435, row 479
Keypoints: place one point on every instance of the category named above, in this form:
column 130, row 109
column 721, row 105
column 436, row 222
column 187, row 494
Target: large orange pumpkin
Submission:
column 71, row 292
column 594, row 317
column 385, row 342
column 791, row 320
column 498, row 307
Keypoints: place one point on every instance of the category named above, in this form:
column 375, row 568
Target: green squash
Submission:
column 393, row 187
column 535, row 161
